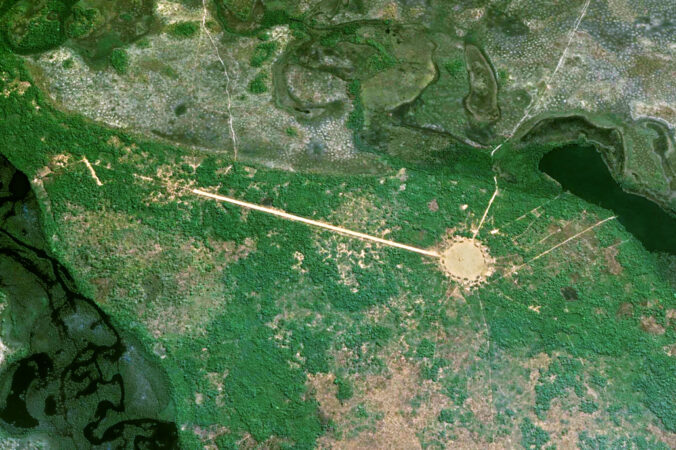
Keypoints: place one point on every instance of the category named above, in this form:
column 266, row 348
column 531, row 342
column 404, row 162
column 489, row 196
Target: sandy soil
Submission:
column 467, row 261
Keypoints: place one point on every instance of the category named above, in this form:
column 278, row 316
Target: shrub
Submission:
column 355, row 120
column 263, row 52
column 447, row 416
column 183, row 30
column 258, row 85
column 119, row 60
column 455, row 67
column 532, row 436
column 83, row 21
column 345, row 390
column 30, row 30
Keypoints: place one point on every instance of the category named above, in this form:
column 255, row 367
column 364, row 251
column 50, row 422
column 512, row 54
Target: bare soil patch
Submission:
column 467, row 261
column 650, row 325
column 391, row 397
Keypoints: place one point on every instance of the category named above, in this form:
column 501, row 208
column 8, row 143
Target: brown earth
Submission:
column 467, row 261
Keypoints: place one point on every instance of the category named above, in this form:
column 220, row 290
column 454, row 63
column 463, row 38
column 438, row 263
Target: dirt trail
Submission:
column 316, row 223
column 92, row 171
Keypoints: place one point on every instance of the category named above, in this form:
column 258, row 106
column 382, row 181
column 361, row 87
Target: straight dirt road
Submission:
column 319, row 224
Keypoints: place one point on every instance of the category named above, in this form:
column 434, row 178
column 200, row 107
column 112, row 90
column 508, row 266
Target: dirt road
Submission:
column 316, row 223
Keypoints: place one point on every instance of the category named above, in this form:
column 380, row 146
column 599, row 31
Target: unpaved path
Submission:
column 317, row 223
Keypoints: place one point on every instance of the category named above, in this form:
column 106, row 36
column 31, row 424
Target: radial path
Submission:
column 316, row 223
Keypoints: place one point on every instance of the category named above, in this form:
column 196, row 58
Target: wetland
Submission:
column 71, row 374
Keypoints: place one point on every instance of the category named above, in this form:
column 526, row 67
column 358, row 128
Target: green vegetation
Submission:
column 355, row 121
column 456, row 68
column 345, row 32
column 183, row 30
column 114, row 359
column 455, row 388
column 119, row 59
column 259, row 83
column 345, row 389
column 252, row 18
column 263, row 52
column 482, row 100
column 603, row 442
column 30, row 29
column 263, row 395
column 237, row 336
column 382, row 60
column 83, row 21
column 532, row 436
column 563, row 374
column 447, row 416
column 143, row 43
column 426, row 349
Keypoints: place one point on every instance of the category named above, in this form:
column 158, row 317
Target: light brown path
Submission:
column 92, row 171
column 317, row 223
column 575, row 236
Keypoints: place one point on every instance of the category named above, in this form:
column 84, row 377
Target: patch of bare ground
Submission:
column 358, row 213
column 169, row 188
column 625, row 311
column 664, row 436
column 564, row 421
column 565, row 426
column 390, row 397
column 670, row 315
column 187, row 318
column 208, row 435
column 466, row 261
column 610, row 254
column 363, row 213
column 650, row 325
column 103, row 287
column 670, row 350
column 247, row 442
column 14, row 86
column 232, row 250
column 562, row 424
column 346, row 256
column 407, row 407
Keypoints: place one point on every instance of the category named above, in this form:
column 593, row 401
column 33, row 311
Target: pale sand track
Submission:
column 465, row 260
column 319, row 224
column 92, row 171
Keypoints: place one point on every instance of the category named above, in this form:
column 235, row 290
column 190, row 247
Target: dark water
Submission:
column 582, row 171
column 82, row 382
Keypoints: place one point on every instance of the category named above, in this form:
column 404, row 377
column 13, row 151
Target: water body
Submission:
column 79, row 380
column 582, row 171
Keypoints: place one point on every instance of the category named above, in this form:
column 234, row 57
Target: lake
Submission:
column 582, row 171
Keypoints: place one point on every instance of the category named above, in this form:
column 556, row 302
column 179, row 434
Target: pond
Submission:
column 582, row 171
